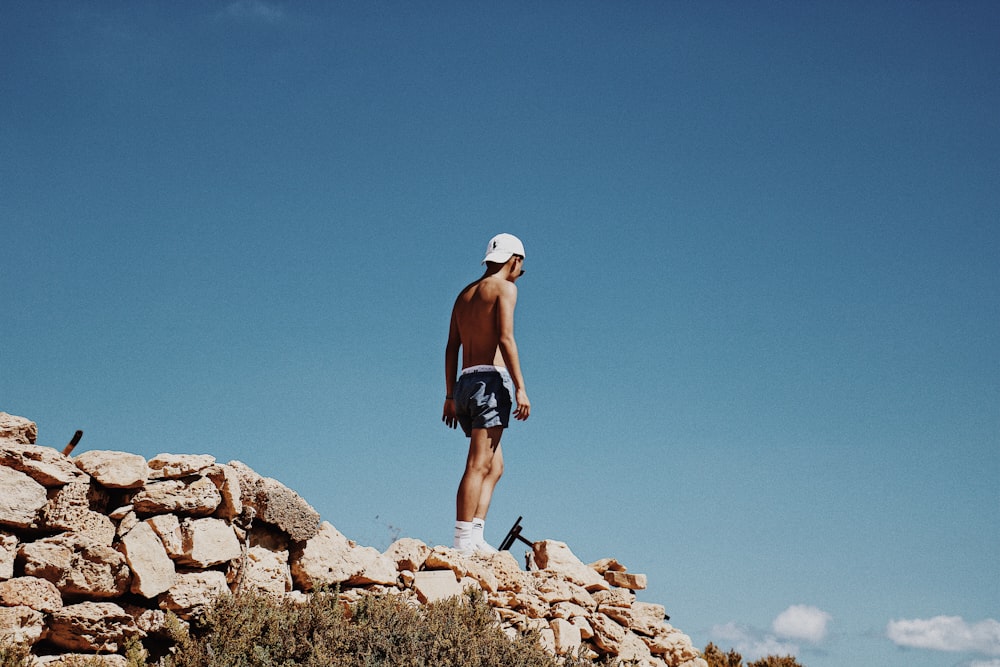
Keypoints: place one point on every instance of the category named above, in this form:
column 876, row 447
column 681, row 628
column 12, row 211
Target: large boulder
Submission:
column 91, row 627
column 327, row 559
column 34, row 592
column 77, row 565
column 8, row 554
column 114, row 470
column 17, row 429
column 193, row 592
column 557, row 558
column 68, row 509
column 175, row 466
column 408, row 553
column 207, row 542
column 21, row 498
column 43, row 464
column 194, row 495
column 152, row 570
column 21, row 625
column 265, row 571
column 276, row 504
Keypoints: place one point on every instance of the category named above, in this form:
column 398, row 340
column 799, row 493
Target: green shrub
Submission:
column 716, row 658
column 776, row 661
column 251, row 630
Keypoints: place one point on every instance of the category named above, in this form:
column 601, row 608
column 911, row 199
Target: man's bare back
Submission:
column 482, row 324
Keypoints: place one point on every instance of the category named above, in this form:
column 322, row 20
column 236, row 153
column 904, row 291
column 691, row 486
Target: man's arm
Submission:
column 508, row 347
column 450, row 373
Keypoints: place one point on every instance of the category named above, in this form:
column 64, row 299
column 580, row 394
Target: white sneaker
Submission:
column 484, row 547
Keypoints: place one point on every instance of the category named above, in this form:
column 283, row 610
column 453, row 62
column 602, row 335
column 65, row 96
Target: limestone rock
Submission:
column 445, row 558
column 553, row 589
column 91, row 627
column 276, row 504
column 197, row 496
column 114, row 470
column 635, row 582
column 152, row 570
column 266, row 571
column 568, row 610
column 607, row 565
column 608, row 634
column 227, row 480
column 193, row 592
column 327, row 559
column 616, row 597
column 68, row 509
column 77, row 565
column 632, row 649
column 408, row 554
column 175, row 466
column 530, row 605
column 376, row 568
column 648, row 618
column 43, row 464
column 510, row 577
column 673, row 644
column 127, row 522
column 34, row 592
column 433, row 585
column 207, row 542
column 168, row 528
column 566, row 636
column 480, row 572
column 21, row 625
column 8, row 554
column 21, row 498
column 557, row 557
column 586, row 629
column 17, row 430
column 151, row 622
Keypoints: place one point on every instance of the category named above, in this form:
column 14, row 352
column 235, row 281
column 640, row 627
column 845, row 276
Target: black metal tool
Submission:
column 514, row 534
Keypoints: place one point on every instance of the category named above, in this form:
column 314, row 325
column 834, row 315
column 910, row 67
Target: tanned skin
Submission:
column 482, row 325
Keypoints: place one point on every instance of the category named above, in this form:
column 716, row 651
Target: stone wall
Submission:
column 98, row 547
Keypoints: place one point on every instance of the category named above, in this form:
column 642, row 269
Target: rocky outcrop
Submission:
column 98, row 548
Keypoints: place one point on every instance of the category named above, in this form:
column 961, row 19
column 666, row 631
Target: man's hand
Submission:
column 448, row 416
column 523, row 409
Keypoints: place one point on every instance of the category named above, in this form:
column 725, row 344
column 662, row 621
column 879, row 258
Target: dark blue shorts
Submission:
column 484, row 396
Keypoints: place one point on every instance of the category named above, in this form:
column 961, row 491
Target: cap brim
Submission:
column 497, row 257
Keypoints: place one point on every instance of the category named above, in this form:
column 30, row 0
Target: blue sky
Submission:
column 760, row 325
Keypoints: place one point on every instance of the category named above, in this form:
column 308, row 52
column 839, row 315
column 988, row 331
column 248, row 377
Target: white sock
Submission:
column 480, row 543
column 464, row 540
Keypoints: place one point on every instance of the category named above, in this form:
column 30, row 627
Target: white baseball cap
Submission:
column 502, row 247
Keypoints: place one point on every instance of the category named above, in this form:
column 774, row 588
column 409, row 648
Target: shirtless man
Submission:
column 480, row 399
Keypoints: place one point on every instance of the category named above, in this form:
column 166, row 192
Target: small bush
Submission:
column 250, row 630
column 13, row 655
column 716, row 658
column 776, row 661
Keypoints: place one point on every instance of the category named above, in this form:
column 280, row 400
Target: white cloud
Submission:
column 802, row 622
column 985, row 663
column 750, row 643
column 947, row 633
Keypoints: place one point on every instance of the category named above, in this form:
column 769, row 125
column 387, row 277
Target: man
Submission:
column 480, row 399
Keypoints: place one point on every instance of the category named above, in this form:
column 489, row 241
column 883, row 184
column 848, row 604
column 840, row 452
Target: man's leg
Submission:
column 475, row 491
column 489, row 483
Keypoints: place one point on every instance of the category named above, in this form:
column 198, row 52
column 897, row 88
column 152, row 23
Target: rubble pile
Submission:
column 99, row 547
